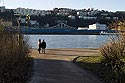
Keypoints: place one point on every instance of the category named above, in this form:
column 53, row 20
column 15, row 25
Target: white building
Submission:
column 80, row 13
column 24, row 11
column 82, row 28
column 86, row 13
column 71, row 17
column 97, row 26
column 89, row 18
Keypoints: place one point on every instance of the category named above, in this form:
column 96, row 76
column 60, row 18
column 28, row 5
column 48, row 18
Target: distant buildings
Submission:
column 32, row 22
column 97, row 26
column 75, row 18
column 89, row 13
column 86, row 12
column 24, row 12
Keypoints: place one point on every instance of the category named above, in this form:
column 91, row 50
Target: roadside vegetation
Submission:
column 15, row 61
column 110, row 66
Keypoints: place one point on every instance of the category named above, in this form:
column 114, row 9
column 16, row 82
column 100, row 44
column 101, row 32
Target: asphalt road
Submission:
column 56, row 66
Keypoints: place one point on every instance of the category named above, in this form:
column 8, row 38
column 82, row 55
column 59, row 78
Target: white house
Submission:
column 71, row 17
column 97, row 26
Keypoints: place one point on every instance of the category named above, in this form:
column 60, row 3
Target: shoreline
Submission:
column 67, row 53
column 66, row 48
column 63, row 31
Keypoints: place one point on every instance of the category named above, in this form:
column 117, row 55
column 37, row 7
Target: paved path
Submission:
column 56, row 66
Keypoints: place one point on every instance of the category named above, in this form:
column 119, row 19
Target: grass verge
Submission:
column 94, row 64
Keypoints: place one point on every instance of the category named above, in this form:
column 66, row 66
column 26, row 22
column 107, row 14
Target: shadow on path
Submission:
column 59, row 71
column 53, row 68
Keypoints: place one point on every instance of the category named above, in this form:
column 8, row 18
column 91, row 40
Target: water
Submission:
column 69, row 41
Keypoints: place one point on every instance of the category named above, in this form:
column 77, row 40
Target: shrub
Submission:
column 14, row 58
column 114, row 53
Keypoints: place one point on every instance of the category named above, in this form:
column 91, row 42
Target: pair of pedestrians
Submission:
column 41, row 45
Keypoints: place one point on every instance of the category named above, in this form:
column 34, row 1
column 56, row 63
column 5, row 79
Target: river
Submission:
column 69, row 41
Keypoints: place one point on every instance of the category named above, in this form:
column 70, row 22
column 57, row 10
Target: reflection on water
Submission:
column 92, row 37
column 69, row 41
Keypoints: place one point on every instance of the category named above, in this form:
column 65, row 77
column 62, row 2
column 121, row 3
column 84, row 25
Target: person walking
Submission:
column 39, row 45
column 43, row 45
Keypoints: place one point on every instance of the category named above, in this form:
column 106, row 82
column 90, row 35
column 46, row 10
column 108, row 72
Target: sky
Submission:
column 108, row 5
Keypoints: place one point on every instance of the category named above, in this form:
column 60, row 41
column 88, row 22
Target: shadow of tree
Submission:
column 59, row 71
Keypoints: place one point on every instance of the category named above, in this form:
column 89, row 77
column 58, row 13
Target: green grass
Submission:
column 94, row 65
column 90, row 63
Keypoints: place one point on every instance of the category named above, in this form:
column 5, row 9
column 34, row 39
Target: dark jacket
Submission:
column 43, row 45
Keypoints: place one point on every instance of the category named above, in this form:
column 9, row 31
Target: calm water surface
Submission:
column 69, row 41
